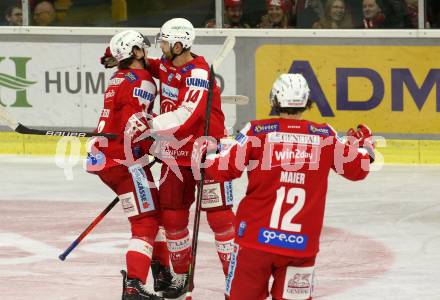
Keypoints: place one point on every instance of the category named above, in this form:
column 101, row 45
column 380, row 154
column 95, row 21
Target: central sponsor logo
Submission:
column 293, row 138
column 282, row 239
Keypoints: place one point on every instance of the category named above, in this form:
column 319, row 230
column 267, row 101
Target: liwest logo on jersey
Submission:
column 143, row 94
column 325, row 130
column 169, row 92
column 131, row 77
column 265, row 128
column 282, row 239
column 197, row 82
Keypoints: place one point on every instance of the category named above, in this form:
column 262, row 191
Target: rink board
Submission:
column 394, row 151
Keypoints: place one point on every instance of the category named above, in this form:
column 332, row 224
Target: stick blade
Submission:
column 7, row 119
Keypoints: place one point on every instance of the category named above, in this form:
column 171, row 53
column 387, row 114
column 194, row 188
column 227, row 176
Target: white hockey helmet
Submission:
column 290, row 90
column 177, row 30
column 122, row 43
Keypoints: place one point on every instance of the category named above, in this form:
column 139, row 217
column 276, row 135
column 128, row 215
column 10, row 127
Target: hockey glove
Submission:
column 108, row 61
column 362, row 138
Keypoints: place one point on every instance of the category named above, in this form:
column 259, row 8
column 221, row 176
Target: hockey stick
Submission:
column 228, row 45
column 200, row 188
column 235, row 99
column 92, row 225
column 7, row 119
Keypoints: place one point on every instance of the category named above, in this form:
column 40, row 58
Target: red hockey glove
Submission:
column 108, row 61
column 361, row 138
column 137, row 124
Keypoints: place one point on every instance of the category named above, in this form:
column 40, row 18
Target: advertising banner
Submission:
column 62, row 84
column 393, row 89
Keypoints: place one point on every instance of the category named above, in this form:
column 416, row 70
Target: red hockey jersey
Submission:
column 129, row 91
column 183, row 98
column 288, row 163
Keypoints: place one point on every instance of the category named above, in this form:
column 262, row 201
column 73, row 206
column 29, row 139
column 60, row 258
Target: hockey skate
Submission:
column 161, row 275
column 178, row 288
column 133, row 289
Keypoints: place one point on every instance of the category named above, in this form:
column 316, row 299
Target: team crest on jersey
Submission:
column 187, row 68
column 266, row 128
column 143, row 94
column 320, row 130
column 170, row 77
column 131, row 77
column 197, row 82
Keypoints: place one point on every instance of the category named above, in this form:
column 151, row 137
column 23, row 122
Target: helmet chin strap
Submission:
column 173, row 54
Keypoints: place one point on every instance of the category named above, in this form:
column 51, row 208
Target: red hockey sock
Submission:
column 160, row 251
column 179, row 246
column 221, row 223
column 140, row 248
column 178, row 239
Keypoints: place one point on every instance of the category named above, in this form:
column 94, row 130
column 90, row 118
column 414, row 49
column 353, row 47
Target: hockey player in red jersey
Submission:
column 183, row 95
column 279, row 221
column 160, row 263
column 128, row 99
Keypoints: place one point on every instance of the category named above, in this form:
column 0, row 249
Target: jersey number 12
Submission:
column 295, row 196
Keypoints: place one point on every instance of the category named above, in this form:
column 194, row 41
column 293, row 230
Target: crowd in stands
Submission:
column 317, row 14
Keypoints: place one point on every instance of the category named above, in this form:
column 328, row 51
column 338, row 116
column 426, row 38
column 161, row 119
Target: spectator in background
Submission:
column 277, row 14
column 412, row 14
column 308, row 12
column 336, row 16
column 44, row 14
column 293, row 7
column 233, row 15
column 14, row 16
column 373, row 14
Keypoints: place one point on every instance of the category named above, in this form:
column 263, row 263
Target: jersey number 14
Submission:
column 295, row 196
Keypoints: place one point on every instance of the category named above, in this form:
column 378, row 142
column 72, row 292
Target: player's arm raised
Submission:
column 233, row 158
column 352, row 159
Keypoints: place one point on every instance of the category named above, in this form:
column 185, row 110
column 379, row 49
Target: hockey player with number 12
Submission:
column 279, row 221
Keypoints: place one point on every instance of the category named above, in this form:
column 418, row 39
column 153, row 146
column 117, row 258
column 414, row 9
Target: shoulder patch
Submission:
column 265, row 128
column 187, row 68
column 320, row 130
column 131, row 77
